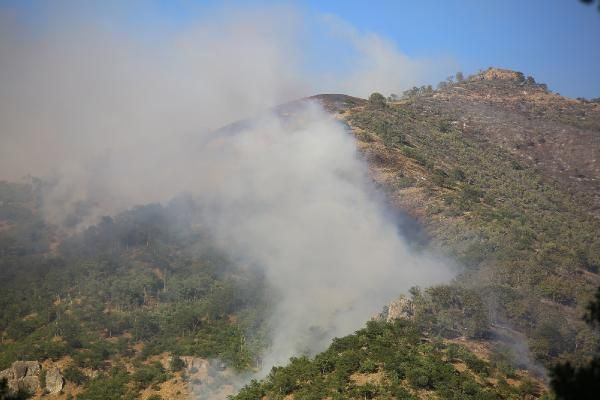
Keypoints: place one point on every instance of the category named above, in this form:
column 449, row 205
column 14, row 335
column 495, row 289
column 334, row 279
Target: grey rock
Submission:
column 402, row 308
column 20, row 369
column 23, row 375
column 33, row 368
column 54, row 381
column 26, row 368
column 29, row 383
column 8, row 374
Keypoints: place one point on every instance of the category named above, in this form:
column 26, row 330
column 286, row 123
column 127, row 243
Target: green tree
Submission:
column 74, row 375
column 176, row 364
column 377, row 101
column 579, row 383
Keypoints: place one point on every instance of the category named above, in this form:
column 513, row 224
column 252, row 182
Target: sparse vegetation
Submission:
column 524, row 239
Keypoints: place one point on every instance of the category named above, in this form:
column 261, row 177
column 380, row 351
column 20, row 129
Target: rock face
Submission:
column 402, row 308
column 23, row 375
column 497, row 73
column 54, row 381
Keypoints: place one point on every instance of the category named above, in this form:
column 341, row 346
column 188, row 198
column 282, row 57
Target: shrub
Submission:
column 111, row 386
column 377, row 101
column 74, row 375
column 368, row 366
column 177, row 364
column 419, row 378
column 445, row 126
column 150, row 374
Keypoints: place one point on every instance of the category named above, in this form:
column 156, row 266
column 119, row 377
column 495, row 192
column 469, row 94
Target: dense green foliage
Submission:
column 390, row 361
column 145, row 276
column 109, row 385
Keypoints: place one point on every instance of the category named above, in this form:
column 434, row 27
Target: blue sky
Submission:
column 556, row 41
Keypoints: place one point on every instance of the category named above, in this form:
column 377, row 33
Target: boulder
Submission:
column 8, row 374
column 54, row 381
column 30, row 383
column 402, row 308
column 26, row 368
column 20, row 369
column 22, row 375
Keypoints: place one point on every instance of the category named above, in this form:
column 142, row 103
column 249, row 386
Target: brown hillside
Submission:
column 558, row 136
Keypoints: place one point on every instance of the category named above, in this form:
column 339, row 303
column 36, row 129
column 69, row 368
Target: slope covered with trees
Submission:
column 502, row 173
column 108, row 299
column 522, row 226
column 485, row 164
column 393, row 361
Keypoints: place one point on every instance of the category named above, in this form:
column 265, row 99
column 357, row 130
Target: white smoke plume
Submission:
column 118, row 120
column 294, row 197
column 291, row 195
column 379, row 66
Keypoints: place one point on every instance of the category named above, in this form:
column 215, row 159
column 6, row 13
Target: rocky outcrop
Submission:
column 491, row 74
column 54, row 380
column 25, row 375
column 402, row 308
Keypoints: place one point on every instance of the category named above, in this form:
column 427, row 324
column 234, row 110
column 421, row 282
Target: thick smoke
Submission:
column 110, row 115
column 379, row 66
column 293, row 197
column 116, row 120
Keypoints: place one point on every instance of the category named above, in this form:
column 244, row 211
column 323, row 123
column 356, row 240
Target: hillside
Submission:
column 113, row 307
column 494, row 172
column 503, row 175
column 393, row 361
column 519, row 222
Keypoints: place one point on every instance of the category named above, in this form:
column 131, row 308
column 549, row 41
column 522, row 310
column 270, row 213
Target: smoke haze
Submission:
column 113, row 120
column 294, row 197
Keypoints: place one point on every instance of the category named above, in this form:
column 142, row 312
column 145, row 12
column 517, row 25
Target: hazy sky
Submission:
column 556, row 41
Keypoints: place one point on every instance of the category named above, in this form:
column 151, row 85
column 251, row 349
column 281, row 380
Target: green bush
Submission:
column 176, row 364
column 377, row 101
column 107, row 386
column 368, row 366
column 75, row 375
column 146, row 375
column 419, row 378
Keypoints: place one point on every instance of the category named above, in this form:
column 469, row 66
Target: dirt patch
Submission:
column 376, row 378
column 175, row 389
column 479, row 348
column 460, row 366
